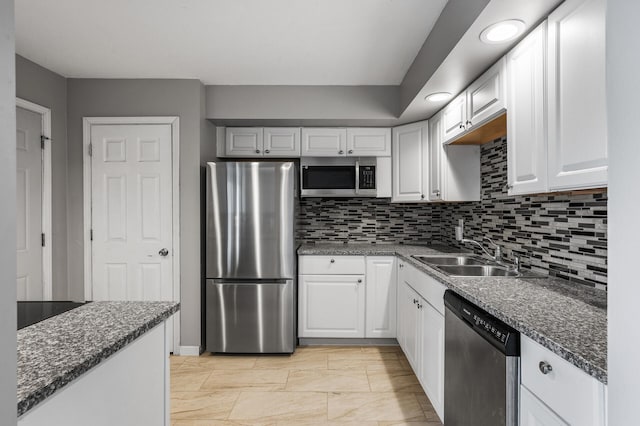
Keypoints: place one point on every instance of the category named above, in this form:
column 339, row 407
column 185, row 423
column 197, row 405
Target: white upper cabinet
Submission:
column 454, row 171
column 486, row 96
column 576, row 92
column 323, row 142
column 482, row 101
column 526, row 130
column 454, row 117
column 410, row 162
column 244, row 141
column 435, row 157
column 369, row 142
column 282, row 142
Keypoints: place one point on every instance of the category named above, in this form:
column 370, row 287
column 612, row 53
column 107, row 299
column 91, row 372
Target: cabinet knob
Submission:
column 468, row 123
column 401, row 265
column 359, row 281
column 419, row 306
column 257, row 151
column 333, row 261
column 267, row 151
column 545, row 367
column 461, row 126
column 422, row 196
column 350, row 151
column 415, row 301
column 341, row 152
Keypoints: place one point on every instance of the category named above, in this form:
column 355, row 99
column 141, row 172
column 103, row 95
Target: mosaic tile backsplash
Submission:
column 562, row 235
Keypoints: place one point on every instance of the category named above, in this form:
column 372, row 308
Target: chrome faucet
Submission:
column 497, row 254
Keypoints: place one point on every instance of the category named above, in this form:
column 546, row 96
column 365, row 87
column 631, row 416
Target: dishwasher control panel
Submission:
column 501, row 335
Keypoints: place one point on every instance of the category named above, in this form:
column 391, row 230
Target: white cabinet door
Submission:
column 454, row 117
column 410, row 174
column 369, row 142
column 381, row 296
column 576, row 91
column 400, row 305
column 432, row 354
column 534, row 413
column 323, row 142
column 527, row 141
column 282, row 142
column 331, row 306
column 486, row 96
column 435, row 158
column 410, row 323
column 244, row 141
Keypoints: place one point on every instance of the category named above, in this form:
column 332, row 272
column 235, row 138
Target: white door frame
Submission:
column 47, row 263
column 87, row 122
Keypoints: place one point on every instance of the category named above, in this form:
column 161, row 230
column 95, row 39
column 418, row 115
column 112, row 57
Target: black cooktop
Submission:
column 30, row 313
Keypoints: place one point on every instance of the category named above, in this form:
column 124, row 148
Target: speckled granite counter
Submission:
column 568, row 319
column 58, row 350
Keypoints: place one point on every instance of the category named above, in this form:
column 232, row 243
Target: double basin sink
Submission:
column 467, row 266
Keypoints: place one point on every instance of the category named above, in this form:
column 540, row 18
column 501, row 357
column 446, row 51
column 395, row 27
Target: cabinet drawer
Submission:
column 574, row 395
column 426, row 286
column 324, row 265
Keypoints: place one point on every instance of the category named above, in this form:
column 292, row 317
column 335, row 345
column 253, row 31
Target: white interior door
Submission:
column 131, row 212
column 29, row 205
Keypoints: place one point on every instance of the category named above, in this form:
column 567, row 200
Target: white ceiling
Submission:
column 245, row 42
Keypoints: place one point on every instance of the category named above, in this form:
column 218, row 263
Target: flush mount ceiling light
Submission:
column 438, row 97
column 502, row 31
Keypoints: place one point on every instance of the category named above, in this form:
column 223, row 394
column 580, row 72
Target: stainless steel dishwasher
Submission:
column 481, row 366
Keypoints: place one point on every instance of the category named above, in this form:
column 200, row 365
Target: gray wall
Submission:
column 107, row 97
column 43, row 87
column 7, row 216
column 455, row 19
column 623, row 90
column 375, row 104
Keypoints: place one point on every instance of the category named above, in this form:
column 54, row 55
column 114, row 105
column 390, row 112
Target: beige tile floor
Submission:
column 315, row 386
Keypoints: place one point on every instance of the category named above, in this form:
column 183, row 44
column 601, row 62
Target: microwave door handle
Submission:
column 357, row 177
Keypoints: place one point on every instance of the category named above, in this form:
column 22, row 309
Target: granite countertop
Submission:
column 54, row 352
column 568, row 319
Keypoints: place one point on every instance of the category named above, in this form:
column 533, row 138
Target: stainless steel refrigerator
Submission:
column 250, row 257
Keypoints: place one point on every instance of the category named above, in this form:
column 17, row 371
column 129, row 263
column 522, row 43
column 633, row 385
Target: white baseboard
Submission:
column 189, row 351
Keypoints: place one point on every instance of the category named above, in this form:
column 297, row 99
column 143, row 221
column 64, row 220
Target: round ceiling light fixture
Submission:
column 438, row 97
column 502, row 31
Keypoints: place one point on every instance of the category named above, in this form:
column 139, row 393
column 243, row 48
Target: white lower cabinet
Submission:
column 534, row 413
column 421, row 330
column 340, row 297
column 331, row 306
column 380, row 291
column 570, row 394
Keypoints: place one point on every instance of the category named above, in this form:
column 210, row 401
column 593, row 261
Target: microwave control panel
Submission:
column 367, row 177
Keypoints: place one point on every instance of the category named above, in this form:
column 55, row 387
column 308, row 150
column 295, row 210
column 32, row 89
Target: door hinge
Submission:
column 90, row 150
column 43, row 241
column 91, row 235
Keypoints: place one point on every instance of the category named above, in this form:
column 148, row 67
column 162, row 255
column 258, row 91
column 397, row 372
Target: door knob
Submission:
column 545, row 367
column 163, row 252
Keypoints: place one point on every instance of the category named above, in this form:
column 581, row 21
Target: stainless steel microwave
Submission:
column 338, row 177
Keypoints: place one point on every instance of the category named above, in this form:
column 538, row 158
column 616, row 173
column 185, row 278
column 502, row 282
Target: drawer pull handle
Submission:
column 333, row 261
column 545, row 367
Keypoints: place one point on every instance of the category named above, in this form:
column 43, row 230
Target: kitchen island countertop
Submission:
column 56, row 351
column 569, row 319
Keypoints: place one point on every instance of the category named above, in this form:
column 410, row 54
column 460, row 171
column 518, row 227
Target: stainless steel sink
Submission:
column 477, row 271
column 451, row 260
